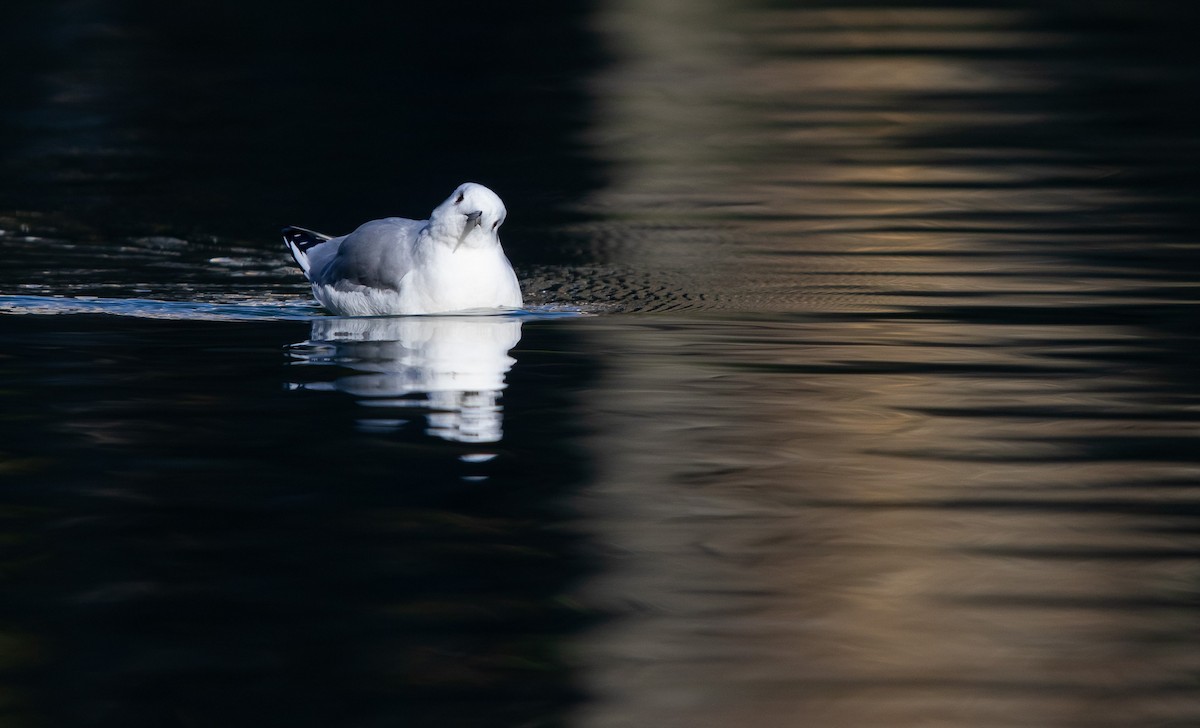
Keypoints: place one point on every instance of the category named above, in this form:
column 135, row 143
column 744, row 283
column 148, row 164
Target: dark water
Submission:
column 859, row 384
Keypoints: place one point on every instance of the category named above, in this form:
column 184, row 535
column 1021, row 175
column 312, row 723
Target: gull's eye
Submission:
column 460, row 196
column 495, row 224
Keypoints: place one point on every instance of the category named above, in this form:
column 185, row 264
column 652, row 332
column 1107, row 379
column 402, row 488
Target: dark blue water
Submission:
column 858, row 383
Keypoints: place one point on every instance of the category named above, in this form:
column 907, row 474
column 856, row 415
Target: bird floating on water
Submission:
column 451, row 262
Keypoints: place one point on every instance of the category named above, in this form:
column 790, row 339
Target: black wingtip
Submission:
column 300, row 239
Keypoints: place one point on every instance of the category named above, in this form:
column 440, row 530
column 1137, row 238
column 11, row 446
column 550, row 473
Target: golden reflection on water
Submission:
column 910, row 520
column 908, row 527
column 754, row 156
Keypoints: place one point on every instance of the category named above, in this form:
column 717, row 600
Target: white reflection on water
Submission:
column 458, row 364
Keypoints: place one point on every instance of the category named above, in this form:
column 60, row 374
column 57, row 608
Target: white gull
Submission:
column 451, row 262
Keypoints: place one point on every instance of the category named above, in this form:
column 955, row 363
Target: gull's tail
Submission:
column 300, row 241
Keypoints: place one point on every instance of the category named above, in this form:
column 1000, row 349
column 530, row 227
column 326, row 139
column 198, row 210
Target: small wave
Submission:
column 244, row 310
column 151, row 308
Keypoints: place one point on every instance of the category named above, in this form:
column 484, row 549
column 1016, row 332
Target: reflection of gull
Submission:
column 458, row 362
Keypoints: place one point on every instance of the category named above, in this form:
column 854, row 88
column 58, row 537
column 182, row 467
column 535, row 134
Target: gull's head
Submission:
column 470, row 217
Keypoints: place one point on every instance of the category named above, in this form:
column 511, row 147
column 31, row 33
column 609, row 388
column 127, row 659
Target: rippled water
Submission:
column 858, row 385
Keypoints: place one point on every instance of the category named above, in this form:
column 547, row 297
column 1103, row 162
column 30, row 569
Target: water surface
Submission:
column 858, row 384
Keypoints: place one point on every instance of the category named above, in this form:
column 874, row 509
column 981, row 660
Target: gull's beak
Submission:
column 472, row 223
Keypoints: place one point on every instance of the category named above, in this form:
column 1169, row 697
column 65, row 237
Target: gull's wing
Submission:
column 376, row 255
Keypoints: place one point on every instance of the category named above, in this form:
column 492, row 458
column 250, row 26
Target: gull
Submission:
column 451, row 262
